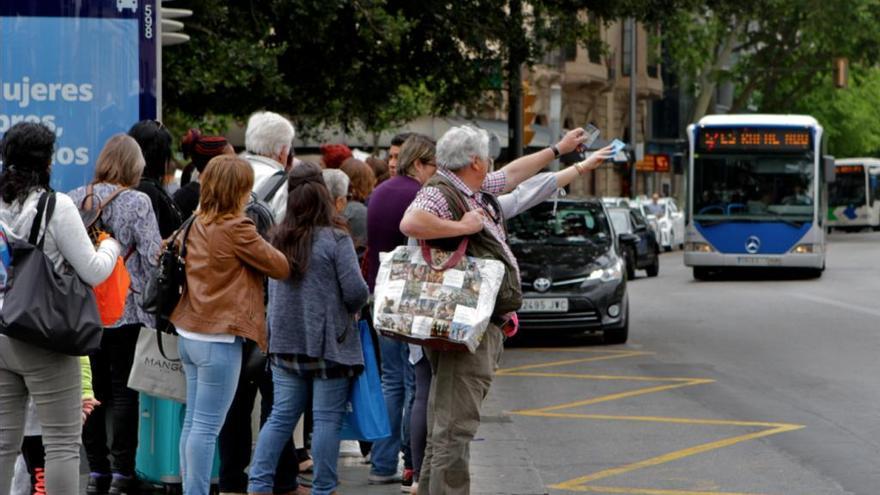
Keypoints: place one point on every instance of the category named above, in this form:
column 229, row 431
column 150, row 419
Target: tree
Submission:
column 851, row 117
column 774, row 51
column 367, row 64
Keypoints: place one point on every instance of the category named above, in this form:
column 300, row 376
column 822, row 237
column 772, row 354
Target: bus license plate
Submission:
column 758, row 261
column 544, row 306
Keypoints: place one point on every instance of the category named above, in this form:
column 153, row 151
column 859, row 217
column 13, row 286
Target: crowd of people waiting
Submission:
column 320, row 259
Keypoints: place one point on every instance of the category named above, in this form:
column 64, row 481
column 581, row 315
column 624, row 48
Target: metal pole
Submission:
column 633, row 112
column 555, row 119
column 515, row 114
column 514, row 86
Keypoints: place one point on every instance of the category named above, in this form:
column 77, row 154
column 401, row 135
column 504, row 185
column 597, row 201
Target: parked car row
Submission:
column 664, row 218
column 574, row 258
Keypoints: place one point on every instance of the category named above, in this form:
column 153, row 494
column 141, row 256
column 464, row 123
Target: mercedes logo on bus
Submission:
column 542, row 284
column 753, row 244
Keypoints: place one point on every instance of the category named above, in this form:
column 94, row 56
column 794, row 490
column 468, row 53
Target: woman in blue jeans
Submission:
column 226, row 261
column 313, row 339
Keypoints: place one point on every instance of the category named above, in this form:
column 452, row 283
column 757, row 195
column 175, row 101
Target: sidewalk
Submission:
column 500, row 463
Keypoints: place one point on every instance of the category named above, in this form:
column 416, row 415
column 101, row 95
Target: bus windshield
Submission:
column 753, row 187
column 847, row 189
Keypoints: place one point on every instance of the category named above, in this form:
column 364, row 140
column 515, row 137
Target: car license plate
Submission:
column 544, row 306
column 758, row 261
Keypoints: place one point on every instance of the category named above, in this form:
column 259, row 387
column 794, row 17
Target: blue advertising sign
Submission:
column 86, row 69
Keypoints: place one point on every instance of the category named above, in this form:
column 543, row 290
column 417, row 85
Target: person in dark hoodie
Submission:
column 155, row 142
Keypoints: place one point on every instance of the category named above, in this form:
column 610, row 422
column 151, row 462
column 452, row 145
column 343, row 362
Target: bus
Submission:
column 756, row 194
column 854, row 197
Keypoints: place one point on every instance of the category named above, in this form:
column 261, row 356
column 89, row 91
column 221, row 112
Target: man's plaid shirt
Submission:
column 430, row 199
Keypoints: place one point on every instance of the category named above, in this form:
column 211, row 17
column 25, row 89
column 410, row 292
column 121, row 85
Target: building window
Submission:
column 626, row 43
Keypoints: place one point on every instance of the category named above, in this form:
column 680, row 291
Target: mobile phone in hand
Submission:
column 617, row 146
column 592, row 135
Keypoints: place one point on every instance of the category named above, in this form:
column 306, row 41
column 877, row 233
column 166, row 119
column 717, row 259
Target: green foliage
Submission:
column 851, row 117
column 367, row 64
column 782, row 50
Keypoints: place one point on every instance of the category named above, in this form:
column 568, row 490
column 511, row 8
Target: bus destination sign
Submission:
column 753, row 139
column 850, row 169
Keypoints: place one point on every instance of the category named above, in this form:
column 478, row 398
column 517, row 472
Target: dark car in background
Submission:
column 643, row 254
column 572, row 271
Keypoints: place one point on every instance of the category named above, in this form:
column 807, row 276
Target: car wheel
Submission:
column 701, row 273
column 654, row 268
column 617, row 335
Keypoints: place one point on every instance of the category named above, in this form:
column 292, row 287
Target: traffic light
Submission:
column 529, row 98
column 171, row 27
column 841, row 72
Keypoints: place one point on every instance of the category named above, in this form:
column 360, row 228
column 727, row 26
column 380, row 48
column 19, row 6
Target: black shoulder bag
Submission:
column 45, row 308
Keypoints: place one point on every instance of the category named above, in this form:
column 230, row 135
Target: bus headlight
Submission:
column 699, row 247
column 612, row 273
column 807, row 249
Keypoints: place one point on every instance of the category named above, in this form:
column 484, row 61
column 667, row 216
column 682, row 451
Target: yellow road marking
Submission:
column 618, row 355
column 581, row 484
column 674, row 456
column 648, row 491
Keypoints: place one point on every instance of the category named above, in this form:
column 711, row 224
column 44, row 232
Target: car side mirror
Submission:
column 829, row 169
column 627, row 238
column 640, row 228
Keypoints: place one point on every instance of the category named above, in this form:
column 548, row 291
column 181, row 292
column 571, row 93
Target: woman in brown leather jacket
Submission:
column 226, row 261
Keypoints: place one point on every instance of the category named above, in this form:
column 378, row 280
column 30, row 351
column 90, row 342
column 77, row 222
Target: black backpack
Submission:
column 258, row 209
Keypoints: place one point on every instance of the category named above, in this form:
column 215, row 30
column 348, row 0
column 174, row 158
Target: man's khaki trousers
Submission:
column 460, row 383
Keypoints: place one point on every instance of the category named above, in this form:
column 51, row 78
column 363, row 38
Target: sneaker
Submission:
column 407, row 481
column 378, row 479
column 124, row 485
column 99, row 484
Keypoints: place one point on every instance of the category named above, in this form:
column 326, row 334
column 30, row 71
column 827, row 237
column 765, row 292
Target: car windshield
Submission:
column 753, row 187
column 572, row 223
column 848, row 188
column 620, row 220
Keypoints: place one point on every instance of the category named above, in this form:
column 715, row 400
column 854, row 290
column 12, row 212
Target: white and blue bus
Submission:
column 756, row 195
column 854, row 197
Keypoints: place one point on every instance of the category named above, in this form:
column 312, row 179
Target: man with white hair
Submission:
column 269, row 149
column 460, row 201
column 268, row 142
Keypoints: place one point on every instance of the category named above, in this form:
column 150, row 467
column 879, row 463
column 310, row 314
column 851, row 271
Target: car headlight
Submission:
column 699, row 247
column 611, row 273
column 807, row 249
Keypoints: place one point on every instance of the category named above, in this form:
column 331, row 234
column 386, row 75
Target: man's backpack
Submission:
column 258, row 209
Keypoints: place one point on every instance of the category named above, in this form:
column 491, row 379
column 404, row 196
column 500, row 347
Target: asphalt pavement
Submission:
column 743, row 386
column 750, row 385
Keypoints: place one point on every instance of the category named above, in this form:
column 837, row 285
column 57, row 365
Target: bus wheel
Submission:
column 701, row 273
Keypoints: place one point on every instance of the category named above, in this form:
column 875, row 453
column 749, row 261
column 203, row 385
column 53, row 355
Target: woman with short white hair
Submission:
column 337, row 183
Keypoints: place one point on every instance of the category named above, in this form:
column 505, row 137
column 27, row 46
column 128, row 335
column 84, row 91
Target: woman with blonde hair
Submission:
column 128, row 215
column 226, row 262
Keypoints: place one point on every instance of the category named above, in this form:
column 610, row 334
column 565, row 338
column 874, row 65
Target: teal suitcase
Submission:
column 158, row 453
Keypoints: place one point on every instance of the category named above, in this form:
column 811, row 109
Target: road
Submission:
column 726, row 387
